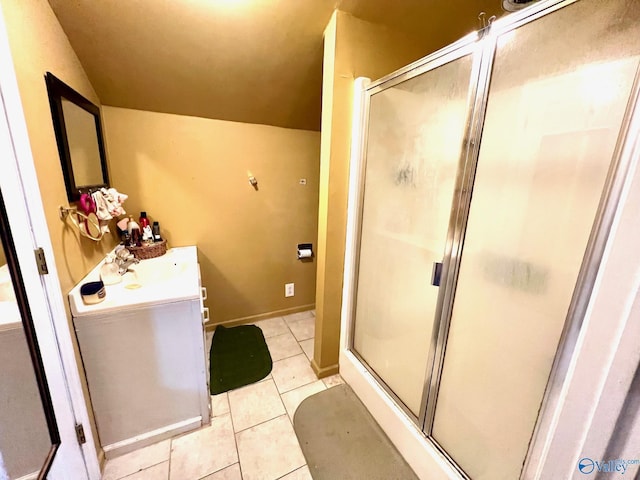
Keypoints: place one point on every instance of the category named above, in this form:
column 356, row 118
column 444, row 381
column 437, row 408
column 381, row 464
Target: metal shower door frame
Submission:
column 608, row 205
column 466, row 46
column 483, row 45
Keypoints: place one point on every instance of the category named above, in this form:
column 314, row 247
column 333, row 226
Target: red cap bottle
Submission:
column 143, row 221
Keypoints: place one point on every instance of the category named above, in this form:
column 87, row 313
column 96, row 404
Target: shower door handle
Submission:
column 436, row 274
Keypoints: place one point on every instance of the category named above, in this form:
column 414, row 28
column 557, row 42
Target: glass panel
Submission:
column 84, row 151
column 558, row 95
column 414, row 145
column 24, row 435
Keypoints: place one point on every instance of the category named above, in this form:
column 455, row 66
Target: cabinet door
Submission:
column 145, row 368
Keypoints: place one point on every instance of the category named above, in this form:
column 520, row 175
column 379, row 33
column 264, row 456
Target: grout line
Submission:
column 221, row 469
column 281, row 403
column 304, row 340
column 295, row 388
column 294, row 470
column 233, row 429
column 285, row 414
column 141, row 470
column 289, row 356
column 289, row 328
column 235, row 441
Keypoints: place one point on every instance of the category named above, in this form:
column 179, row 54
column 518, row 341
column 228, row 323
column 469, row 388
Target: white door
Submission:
column 45, row 420
column 30, row 416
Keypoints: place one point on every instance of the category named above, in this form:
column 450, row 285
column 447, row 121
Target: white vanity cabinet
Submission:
column 143, row 352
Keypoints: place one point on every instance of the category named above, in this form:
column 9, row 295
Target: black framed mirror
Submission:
column 78, row 128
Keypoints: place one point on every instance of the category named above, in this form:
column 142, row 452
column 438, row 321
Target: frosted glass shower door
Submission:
column 557, row 99
column 414, row 145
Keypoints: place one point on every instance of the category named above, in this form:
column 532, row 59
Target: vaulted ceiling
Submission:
column 255, row 61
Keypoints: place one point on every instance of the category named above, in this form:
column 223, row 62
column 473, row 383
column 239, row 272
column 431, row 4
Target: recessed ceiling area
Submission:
column 253, row 61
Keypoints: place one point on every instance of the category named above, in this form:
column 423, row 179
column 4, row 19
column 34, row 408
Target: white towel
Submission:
column 102, row 206
column 108, row 205
column 115, row 200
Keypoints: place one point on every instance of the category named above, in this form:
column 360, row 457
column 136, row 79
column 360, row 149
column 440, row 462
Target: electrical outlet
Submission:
column 289, row 289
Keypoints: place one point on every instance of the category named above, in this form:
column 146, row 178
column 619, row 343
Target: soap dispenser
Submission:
column 109, row 273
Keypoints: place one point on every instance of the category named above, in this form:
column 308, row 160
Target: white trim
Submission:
column 20, row 188
column 360, row 84
column 423, row 458
column 114, row 450
column 29, row 476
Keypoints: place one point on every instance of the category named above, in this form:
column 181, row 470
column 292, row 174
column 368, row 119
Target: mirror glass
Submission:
column 78, row 129
column 25, row 439
column 83, row 145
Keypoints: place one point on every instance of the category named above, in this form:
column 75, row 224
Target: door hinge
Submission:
column 41, row 261
column 80, row 434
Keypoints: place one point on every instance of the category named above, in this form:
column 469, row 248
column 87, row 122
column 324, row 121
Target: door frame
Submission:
column 25, row 211
column 466, row 47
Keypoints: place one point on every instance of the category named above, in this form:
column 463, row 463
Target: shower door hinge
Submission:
column 80, row 434
column 41, row 261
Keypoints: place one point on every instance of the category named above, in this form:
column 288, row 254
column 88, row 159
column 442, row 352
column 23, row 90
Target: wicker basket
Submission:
column 152, row 250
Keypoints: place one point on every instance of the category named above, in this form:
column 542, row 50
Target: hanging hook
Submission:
column 482, row 18
column 485, row 23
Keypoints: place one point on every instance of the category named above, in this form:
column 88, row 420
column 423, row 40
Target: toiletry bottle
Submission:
column 147, row 235
column 156, row 232
column 109, row 271
column 145, row 228
column 131, row 225
column 136, row 238
column 143, row 221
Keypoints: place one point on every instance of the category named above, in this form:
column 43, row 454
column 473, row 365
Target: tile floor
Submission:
column 251, row 434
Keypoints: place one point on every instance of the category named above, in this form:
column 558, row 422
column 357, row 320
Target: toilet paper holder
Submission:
column 305, row 251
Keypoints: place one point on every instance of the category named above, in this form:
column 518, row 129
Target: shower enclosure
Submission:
column 488, row 175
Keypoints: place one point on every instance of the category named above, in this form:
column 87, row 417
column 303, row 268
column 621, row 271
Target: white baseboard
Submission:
column 130, row 444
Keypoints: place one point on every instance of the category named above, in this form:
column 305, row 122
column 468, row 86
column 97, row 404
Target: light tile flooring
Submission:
column 251, row 434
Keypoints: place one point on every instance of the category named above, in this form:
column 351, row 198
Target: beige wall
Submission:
column 191, row 175
column 353, row 48
column 38, row 45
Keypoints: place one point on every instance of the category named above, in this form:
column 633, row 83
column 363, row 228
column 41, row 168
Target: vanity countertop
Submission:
column 173, row 277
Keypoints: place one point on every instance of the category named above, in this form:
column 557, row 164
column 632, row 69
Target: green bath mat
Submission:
column 239, row 356
column 340, row 439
